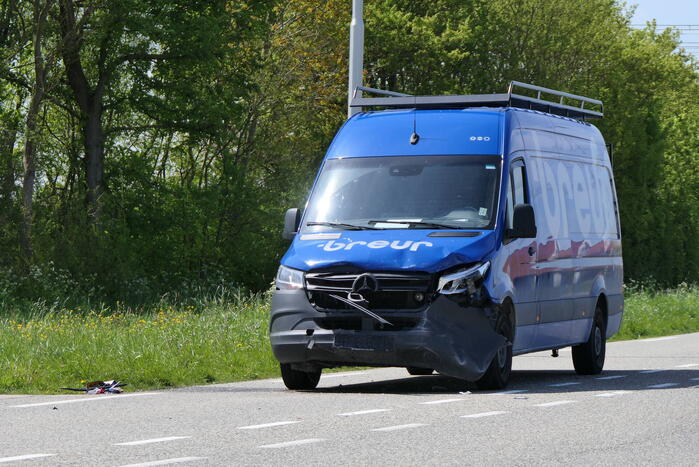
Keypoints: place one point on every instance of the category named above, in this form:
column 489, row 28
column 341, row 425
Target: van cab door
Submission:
column 521, row 259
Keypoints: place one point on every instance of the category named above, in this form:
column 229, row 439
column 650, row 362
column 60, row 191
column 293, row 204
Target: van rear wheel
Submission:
column 588, row 358
column 498, row 373
column 299, row 380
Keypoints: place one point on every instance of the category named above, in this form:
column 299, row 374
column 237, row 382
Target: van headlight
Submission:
column 288, row 279
column 463, row 280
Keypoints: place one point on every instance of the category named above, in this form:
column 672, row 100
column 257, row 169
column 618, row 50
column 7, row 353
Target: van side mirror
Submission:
column 523, row 224
column 292, row 219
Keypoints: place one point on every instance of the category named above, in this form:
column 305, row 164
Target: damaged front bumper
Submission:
column 454, row 340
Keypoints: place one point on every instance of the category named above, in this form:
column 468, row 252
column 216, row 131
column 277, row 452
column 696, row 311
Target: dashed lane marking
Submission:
column 174, row 460
column 662, row 385
column 647, row 372
column 657, row 339
column 611, row 377
column 150, row 441
column 511, row 391
column 267, row 425
column 86, row 399
column 687, row 365
column 560, row 385
column 24, row 457
column 611, row 394
column 287, row 444
column 341, row 375
column 362, row 412
column 441, row 401
column 484, row 414
column 400, row 427
column 553, row 404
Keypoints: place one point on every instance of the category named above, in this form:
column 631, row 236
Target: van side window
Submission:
column 516, row 190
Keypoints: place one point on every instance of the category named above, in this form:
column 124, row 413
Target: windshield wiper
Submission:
column 428, row 225
column 340, row 225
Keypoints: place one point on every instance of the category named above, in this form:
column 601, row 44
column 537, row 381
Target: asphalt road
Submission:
column 643, row 410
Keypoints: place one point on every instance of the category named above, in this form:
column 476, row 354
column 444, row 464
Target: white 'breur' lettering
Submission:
column 334, row 245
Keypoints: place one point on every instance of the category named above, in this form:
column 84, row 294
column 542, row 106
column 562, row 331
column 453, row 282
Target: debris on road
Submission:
column 101, row 387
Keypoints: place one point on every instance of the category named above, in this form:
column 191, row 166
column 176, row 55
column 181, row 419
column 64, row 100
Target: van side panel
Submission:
column 579, row 243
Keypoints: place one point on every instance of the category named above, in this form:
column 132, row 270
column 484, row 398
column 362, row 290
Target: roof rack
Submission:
column 396, row 100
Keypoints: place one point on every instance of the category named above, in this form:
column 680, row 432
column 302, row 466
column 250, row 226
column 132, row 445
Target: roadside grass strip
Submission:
column 612, row 394
column 407, row 426
column 86, row 399
column 662, row 385
column 485, row 414
column 362, row 412
column 174, row 460
column 554, row 403
column 602, row 378
column 151, row 441
column 268, row 425
column 441, row 401
column 24, row 457
column 298, row 442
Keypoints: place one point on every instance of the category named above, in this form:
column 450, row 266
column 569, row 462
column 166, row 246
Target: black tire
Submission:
column 588, row 358
column 299, row 380
column 415, row 371
column 498, row 373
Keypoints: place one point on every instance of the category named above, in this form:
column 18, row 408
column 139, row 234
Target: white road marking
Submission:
column 612, row 394
column 441, row 401
column 560, row 385
column 552, row 404
column 647, row 372
column 87, row 399
column 340, row 375
column 24, row 457
column 362, row 412
column 661, row 386
column 687, row 365
column 656, row 339
column 174, row 460
column 400, row 427
column 267, row 425
column 612, row 377
column 511, row 391
column 484, row 414
column 150, row 441
column 287, row 444
column 694, row 379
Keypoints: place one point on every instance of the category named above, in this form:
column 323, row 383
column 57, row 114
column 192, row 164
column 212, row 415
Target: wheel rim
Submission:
column 598, row 340
column 502, row 356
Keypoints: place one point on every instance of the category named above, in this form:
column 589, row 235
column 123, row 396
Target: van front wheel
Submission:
column 299, row 380
column 588, row 358
column 498, row 373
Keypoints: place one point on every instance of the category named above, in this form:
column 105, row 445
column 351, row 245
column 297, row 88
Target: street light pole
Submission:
column 356, row 53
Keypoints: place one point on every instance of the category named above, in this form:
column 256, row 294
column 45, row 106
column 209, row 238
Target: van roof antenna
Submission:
column 414, row 138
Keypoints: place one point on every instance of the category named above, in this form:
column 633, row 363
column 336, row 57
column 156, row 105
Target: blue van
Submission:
column 449, row 233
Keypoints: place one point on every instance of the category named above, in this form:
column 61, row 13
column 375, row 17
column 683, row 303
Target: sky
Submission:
column 675, row 12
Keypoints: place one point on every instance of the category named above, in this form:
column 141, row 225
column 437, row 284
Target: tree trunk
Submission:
column 32, row 137
column 94, row 157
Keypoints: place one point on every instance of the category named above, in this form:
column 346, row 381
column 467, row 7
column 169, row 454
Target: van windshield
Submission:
column 453, row 192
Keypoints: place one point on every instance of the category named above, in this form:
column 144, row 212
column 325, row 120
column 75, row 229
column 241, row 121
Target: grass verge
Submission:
column 213, row 340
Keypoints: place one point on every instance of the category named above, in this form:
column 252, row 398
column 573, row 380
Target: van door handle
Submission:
column 531, row 251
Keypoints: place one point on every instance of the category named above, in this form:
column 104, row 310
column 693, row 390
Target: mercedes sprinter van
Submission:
column 449, row 233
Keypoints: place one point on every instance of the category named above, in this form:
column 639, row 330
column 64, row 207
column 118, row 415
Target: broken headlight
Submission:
column 462, row 281
column 288, row 279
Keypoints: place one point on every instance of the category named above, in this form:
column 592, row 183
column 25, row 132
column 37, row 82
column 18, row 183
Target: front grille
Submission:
column 354, row 323
column 395, row 291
